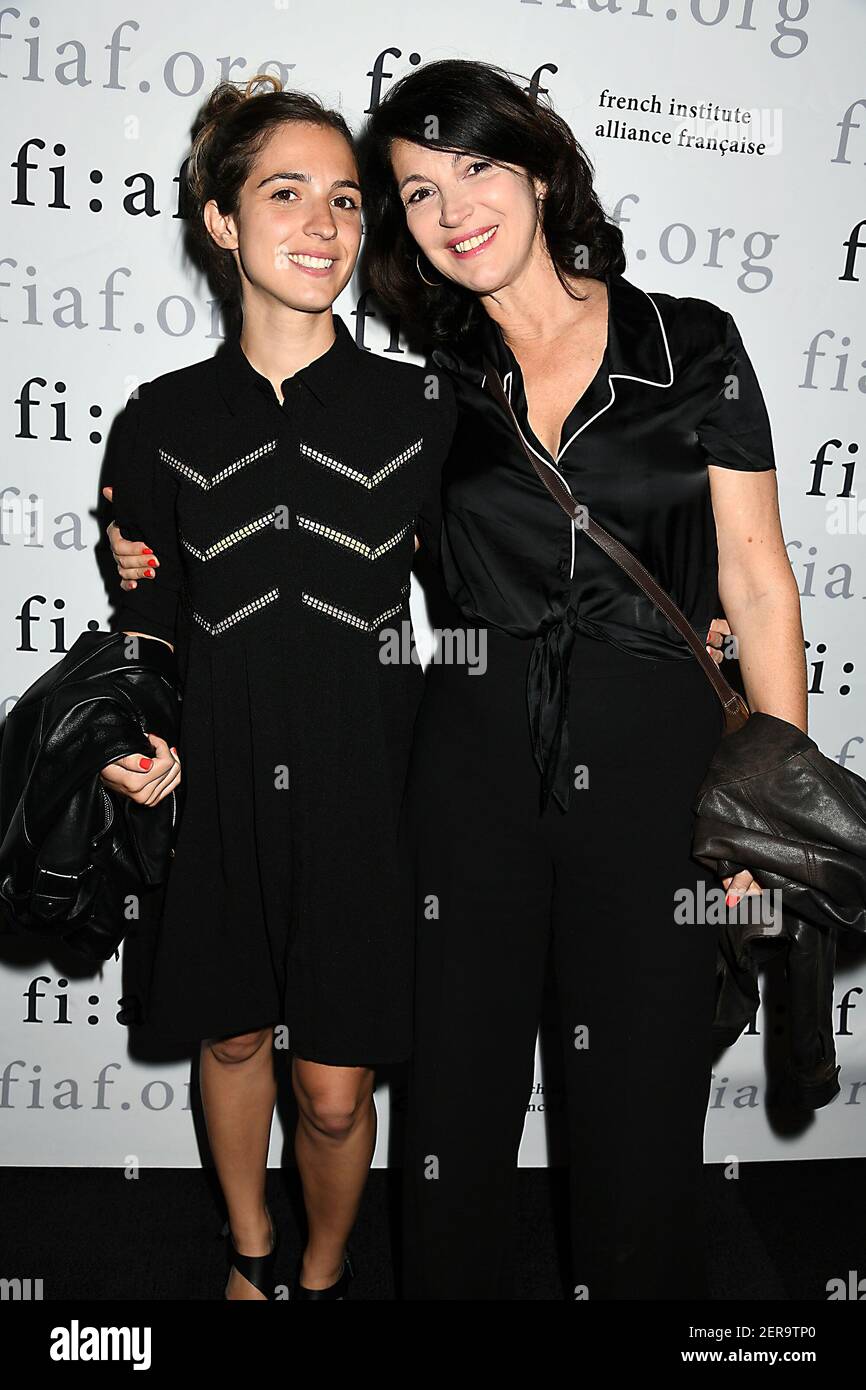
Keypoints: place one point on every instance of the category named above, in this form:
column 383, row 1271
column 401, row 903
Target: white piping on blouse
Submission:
column 624, row 376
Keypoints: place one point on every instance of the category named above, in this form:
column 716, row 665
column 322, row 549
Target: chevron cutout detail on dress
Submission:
column 219, row 547
column 214, row 629
column 369, row 552
column 193, row 475
column 367, row 480
column 353, row 620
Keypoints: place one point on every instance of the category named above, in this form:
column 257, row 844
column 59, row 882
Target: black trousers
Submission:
column 497, row 885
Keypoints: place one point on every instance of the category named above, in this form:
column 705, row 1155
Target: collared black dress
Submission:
column 285, row 537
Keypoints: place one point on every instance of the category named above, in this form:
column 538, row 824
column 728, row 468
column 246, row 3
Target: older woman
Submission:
column 548, row 804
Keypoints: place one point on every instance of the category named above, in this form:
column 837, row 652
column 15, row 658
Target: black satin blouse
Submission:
column 675, row 391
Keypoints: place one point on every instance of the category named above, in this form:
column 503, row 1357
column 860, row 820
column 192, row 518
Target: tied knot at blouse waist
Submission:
column 547, row 703
column 547, row 688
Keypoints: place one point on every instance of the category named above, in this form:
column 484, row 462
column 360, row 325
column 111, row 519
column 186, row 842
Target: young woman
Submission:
column 549, row 802
column 277, row 485
column 438, row 800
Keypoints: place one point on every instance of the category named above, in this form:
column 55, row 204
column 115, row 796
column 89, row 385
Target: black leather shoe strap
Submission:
column 337, row 1290
column 258, row 1269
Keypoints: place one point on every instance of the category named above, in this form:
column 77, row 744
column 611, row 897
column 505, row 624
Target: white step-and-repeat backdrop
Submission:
column 763, row 214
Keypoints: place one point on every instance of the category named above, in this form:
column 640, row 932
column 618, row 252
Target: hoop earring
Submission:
column 434, row 284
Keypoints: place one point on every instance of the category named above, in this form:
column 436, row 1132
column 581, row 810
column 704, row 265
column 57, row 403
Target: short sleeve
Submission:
column 144, row 500
column 735, row 432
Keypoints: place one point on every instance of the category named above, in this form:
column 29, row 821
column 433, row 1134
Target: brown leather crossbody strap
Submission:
column 735, row 707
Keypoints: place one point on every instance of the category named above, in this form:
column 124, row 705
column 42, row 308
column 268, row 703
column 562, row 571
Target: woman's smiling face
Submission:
column 298, row 229
column 475, row 221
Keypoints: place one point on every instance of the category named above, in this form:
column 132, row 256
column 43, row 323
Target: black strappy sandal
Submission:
column 257, row 1269
column 338, row 1290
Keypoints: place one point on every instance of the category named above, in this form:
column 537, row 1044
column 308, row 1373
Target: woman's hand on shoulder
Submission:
column 134, row 559
column 144, row 780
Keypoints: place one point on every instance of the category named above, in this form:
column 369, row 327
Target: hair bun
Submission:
column 262, row 77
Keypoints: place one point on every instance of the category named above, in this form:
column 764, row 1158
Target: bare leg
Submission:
column 239, row 1091
column 334, row 1145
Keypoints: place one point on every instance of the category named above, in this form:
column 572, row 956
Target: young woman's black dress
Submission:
column 285, row 541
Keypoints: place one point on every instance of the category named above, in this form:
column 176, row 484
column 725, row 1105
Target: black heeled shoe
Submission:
column 257, row 1269
column 338, row 1290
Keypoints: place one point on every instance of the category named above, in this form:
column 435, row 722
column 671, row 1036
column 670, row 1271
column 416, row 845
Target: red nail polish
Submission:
column 146, row 550
column 145, row 763
column 731, row 900
column 149, row 574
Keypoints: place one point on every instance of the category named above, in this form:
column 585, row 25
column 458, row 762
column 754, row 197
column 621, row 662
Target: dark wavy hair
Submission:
column 228, row 134
column 481, row 110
